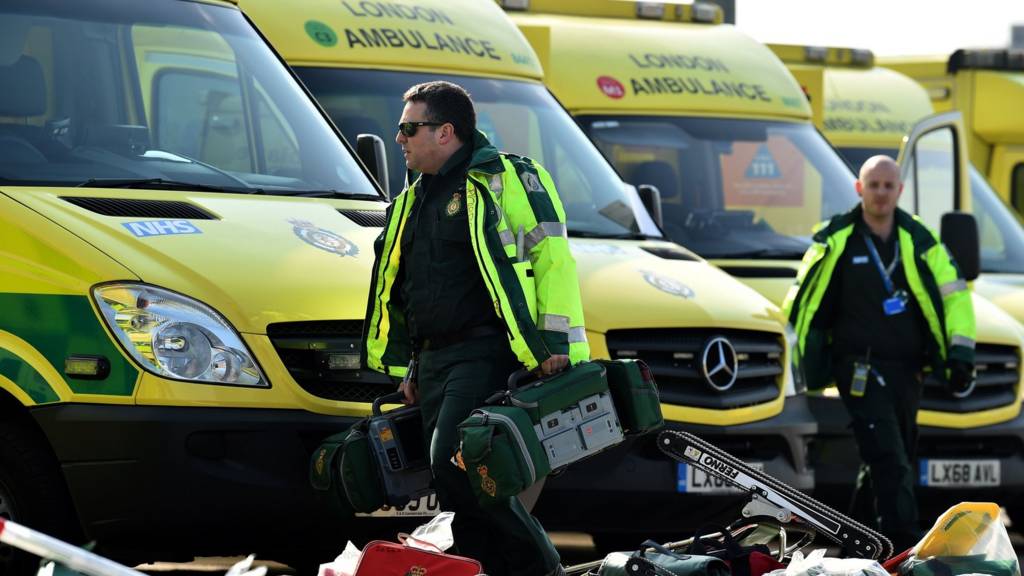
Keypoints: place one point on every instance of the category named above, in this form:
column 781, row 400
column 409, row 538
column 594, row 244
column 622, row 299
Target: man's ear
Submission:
column 447, row 133
column 859, row 186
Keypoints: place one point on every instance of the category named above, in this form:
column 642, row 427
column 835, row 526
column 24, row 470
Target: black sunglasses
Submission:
column 409, row 129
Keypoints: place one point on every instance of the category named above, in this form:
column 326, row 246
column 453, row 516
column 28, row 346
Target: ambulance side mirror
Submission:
column 651, row 197
column 959, row 232
column 370, row 149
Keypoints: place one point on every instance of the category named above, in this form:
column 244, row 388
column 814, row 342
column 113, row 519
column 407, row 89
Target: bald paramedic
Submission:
column 878, row 306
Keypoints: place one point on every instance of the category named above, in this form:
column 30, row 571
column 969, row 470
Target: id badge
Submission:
column 897, row 304
column 859, row 384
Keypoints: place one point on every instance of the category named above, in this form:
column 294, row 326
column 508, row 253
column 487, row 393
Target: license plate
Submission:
column 693, row 480
column 959, row 473
column 424, row 506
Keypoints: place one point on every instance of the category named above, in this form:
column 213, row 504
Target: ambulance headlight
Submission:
column 795, row 383
column 175, row 336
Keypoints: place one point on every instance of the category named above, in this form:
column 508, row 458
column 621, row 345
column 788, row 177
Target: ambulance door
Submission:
column 934, row 165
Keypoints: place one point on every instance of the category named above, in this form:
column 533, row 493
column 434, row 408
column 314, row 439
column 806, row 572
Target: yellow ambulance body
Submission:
column 865, row 110
column 185, row 243
column 987, row 87
column 643, row 297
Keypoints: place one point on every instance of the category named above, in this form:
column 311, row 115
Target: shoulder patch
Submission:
column 531, row 181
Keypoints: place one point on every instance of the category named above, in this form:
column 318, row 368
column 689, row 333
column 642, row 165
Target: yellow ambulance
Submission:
column 864, row 110
column 643, row 296
column 986, row 86
column 717, row 123
column 185, row 246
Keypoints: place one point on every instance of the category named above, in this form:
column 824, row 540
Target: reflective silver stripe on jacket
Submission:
column 577, row 334
column 507, row 238
column 964, row 341
column 953, row 287
column 554, row 323
column 542, row 231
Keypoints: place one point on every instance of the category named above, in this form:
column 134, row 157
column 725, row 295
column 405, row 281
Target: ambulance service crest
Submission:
column 668, row 285
column 454, row 206
column 323, row 239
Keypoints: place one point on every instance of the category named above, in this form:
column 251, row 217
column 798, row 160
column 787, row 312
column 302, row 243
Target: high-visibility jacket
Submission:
column 517, row 232
column 933, row 278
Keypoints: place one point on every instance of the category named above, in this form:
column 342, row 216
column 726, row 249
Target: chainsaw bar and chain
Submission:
column 858, row 540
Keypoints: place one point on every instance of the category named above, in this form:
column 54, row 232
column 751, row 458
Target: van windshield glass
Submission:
column 730, row 188
column 158, row 94
column 517, row 117
column 1000, row 228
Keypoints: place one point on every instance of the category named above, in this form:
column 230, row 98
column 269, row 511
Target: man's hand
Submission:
column 961, row 376
column 412, row 393
column 554, row 364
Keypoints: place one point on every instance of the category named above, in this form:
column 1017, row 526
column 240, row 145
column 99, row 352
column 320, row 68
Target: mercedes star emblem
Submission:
column 719, row 364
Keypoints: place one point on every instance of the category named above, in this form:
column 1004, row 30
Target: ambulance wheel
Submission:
column 32, row 493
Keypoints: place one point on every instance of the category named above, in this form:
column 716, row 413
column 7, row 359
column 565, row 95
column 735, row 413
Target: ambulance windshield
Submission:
column 730, row 188
column 517, row 117
column 1000, row 228
column 158, row 94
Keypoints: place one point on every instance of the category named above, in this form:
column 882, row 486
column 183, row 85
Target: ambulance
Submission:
column 986, row 86
column 720, row 127
column 185, row 247
column 643, row 296
column 864, row 110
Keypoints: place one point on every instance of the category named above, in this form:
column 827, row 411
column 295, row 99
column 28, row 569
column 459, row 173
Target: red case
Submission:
column 380, row 558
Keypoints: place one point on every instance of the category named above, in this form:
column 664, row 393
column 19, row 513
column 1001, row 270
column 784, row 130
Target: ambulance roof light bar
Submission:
column 650, row 10
column 986, row 59
column 691, row 11
column 701, row 12
column 825, row 55
column 517, row 5
column 817, row 54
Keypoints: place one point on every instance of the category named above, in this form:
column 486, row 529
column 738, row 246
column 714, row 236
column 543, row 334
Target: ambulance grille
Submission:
column 998, row 374
column 135, row 208
column 675, row 358
column 365, row 218
column 305, row 349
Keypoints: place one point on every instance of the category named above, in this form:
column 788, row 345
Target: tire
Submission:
column 32, row 493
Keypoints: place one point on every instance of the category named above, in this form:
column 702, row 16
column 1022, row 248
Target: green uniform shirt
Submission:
column 443, row 290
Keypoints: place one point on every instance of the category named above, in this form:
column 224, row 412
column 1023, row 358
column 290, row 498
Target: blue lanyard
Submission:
column 886, row 273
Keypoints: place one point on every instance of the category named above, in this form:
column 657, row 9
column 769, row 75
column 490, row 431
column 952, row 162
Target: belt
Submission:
column 445, row 340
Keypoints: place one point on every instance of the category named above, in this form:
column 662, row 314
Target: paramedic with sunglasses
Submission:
column 473, row 280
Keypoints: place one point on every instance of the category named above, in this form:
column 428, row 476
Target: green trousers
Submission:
column 452, row 381
column 885, row 426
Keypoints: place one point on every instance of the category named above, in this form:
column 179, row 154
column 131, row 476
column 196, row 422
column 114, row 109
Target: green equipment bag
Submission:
column 635, row 394
column 660, row 562
column 573, row 413
column 529, row 430
column 500, row 453
column 345, row 468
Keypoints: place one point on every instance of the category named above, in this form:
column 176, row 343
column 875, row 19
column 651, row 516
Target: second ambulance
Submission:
column 643, row 297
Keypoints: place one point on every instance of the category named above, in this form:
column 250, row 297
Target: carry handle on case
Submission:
column 392, row 398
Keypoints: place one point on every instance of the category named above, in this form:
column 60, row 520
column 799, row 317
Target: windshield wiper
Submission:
column 336, row 194
column 763, row 253
column 607, row 236
column 161, row 184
